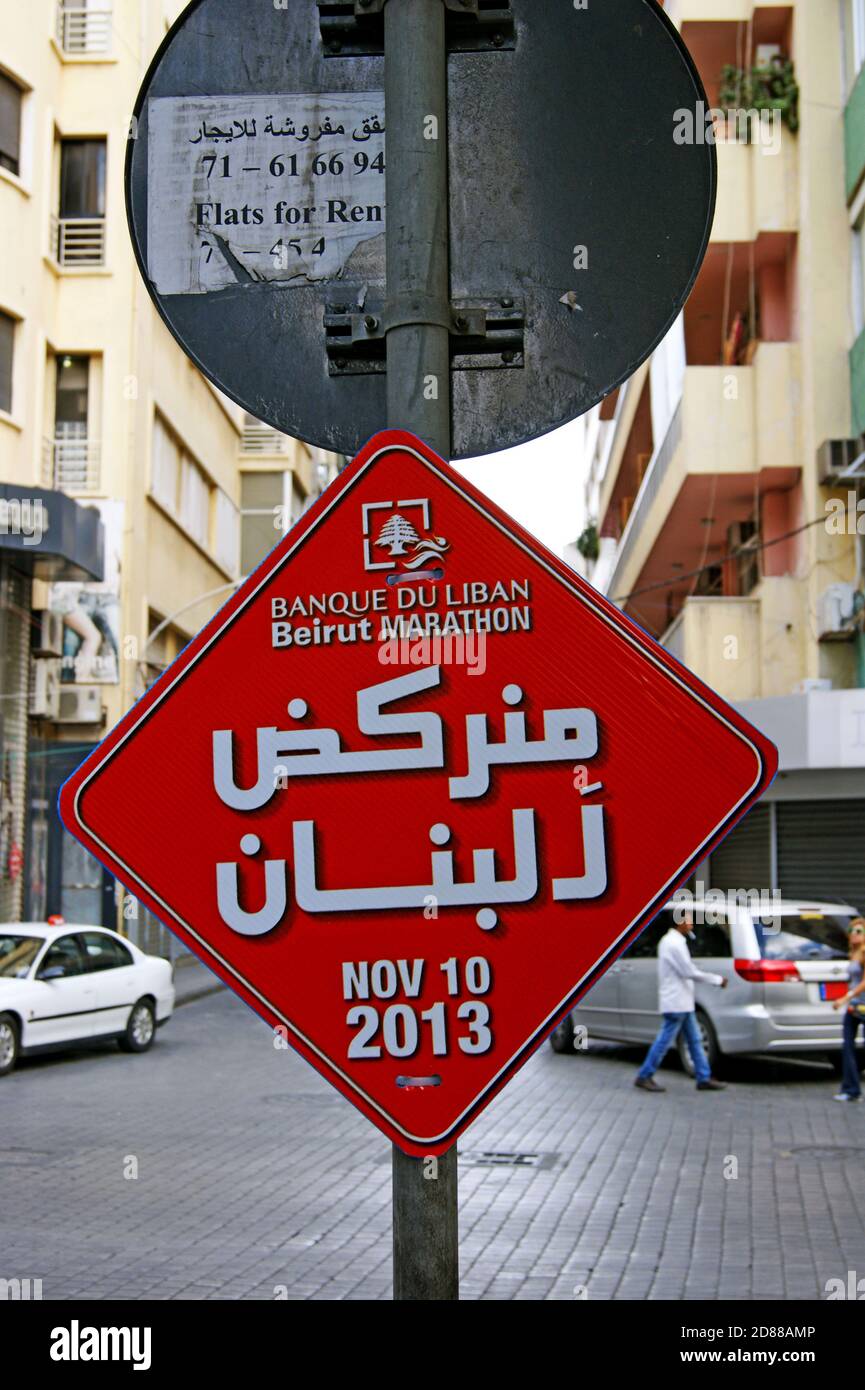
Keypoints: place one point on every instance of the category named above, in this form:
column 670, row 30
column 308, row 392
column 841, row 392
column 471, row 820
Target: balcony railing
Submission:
column 72, row 464
column 649, row 489
column 262, row 439
column 84, row 30
column 78, row 241
column 700, row 637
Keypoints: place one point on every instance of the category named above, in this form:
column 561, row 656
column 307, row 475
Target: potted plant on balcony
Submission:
column 768, row 86
column 588, row 544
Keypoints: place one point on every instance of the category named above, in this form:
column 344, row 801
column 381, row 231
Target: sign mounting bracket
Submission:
column 355, row 28
column 484, row 334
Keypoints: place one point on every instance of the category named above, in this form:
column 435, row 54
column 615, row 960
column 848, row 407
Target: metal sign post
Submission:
column 418, row 285
column 425, row 1220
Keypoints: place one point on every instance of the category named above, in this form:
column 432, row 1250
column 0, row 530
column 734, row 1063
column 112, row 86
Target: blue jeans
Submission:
column 849, row 1061
column 666, row 1037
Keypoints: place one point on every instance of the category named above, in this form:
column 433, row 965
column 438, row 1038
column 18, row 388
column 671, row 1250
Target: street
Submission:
column 255, row 1180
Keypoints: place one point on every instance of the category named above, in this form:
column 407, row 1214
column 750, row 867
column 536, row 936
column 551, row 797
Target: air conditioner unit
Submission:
column 47, row 633
column 841, row 460
column 80, row 704
column 44, row 689
column 835, row 611
column 812, row 687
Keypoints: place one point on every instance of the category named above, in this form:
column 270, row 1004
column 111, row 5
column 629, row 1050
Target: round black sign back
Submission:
column 582, row 190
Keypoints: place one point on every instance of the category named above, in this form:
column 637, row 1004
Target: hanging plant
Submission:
column 589, row 545
column 770, row 87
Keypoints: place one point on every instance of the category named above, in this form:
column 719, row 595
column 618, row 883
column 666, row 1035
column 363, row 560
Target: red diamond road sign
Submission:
column 413, row 790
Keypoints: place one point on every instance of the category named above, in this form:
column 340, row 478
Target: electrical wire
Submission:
column 746, row 549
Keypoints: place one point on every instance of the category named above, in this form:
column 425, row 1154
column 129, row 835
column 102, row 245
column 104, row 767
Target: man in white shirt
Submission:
column 676, row 976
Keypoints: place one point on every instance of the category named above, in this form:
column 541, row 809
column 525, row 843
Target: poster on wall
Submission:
column 91, row 613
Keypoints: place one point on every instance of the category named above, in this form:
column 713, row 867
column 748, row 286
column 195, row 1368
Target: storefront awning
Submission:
column 50, row 535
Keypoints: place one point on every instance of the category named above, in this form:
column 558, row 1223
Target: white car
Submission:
column 62, row 984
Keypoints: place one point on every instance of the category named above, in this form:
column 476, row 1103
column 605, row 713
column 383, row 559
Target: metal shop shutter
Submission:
column 821, row 850
column 743, row 862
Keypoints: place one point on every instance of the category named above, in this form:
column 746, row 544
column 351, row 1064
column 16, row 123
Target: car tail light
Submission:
column 768, row 972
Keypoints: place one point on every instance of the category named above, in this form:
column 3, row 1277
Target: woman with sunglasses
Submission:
column 850, row 1087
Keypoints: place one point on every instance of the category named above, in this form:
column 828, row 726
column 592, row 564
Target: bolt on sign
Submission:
column 578, row 217
column 413, row 789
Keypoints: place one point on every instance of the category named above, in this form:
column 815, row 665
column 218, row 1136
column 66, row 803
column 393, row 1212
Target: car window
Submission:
column 103, row 952
column 711, row 940
column 17, row 954
column 64, row 954
column 646, row 945
column 806, row 936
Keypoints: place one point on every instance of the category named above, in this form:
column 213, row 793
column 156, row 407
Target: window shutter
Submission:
column 10, row 124
column 7, row 346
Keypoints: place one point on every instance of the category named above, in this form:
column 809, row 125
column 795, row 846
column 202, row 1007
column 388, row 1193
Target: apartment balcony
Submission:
column 719, row 640
column 259, row 441
column 72, row 463
column 701, row 11
column 78, row 242
column 758, row 185
column 83, row 31
column 734, row 437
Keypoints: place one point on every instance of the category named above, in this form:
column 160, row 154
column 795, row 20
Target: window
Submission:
column 262, row 502
column 102, row 952
column 226, row 532
column 712, row 939
column 72, row 396
column 179, row 484
column 859, row 276
column 743, row 544
column 809, row 936
column 164, row 644
column 194, row 501
column 80, row 226
column 84, row 26
column 165, row 470
column 857, row 34
column 17, row 954
column 63, row 955
column 646, row 945
column 7, row 350
column 82, row 179
column 10, row 125
column 75, row 457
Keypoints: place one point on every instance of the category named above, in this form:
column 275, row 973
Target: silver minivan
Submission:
column 784, row 972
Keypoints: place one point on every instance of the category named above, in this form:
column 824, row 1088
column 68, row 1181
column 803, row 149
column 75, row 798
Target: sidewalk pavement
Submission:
column 192, row 980
column 255, row 1179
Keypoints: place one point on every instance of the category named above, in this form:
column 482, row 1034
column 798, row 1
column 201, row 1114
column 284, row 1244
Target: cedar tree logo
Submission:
column 403, row 531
